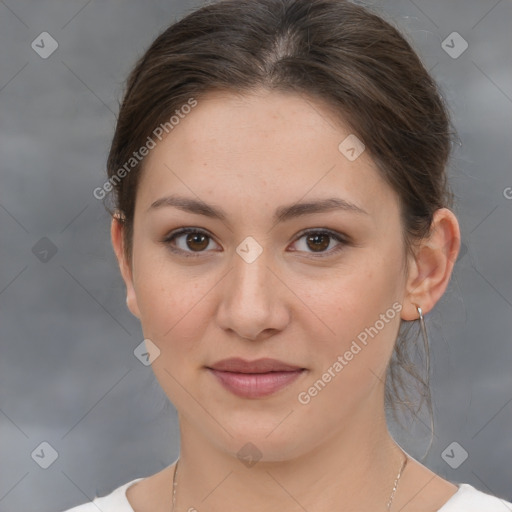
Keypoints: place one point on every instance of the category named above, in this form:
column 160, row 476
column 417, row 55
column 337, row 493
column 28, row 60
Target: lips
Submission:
column 254, row 379
column 238, row 365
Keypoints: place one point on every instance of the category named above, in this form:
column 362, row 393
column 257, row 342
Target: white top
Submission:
column 466, row 499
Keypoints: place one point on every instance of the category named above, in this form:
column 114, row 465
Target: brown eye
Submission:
column 188, row 241
column 318, row 242
column 197, row 241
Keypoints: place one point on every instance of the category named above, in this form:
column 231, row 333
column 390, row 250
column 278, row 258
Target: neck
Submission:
column 337, row 472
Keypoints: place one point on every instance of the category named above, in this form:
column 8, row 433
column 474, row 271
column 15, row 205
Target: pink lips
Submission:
column 254, row 379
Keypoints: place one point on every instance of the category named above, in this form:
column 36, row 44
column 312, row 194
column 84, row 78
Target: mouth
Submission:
column 254, row 379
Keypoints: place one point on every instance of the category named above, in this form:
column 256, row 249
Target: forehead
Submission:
column 261, row 146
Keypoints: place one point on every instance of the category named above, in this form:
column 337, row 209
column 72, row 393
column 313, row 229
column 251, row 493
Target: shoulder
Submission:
column 116, row 501
column 145, row 493
column 469, row 499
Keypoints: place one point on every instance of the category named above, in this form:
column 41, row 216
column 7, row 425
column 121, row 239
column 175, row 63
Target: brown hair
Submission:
column 332, row 50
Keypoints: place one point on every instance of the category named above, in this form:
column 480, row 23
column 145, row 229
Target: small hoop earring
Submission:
column 422, row 325
column 119, row 215
column 424, row 335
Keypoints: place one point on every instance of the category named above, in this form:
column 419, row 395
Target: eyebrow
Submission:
column 282, row 214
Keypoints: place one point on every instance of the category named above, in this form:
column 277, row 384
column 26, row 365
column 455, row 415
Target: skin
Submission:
column 249, row 155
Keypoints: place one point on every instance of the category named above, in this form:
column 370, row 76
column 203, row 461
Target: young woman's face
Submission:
column 285, row 273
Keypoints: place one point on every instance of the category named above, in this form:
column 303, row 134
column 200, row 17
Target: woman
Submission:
column 281, row 209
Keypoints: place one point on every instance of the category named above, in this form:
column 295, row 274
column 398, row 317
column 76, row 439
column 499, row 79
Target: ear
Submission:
column 431, row 267
column 116, row 233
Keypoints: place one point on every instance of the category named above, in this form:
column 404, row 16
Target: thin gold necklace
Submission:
column 174, row 484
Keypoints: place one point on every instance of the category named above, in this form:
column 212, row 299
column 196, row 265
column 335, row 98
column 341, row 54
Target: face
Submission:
column 315, row 287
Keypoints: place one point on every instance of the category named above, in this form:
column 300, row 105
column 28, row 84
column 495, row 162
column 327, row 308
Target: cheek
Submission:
column 346, row 302
column 172, row 302
column 350, row 366
column 357, row 313
column 174, row 315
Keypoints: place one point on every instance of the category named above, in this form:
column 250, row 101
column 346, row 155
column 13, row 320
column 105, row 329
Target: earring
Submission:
column 422, row 326
column 424, row 335
column 119, row 215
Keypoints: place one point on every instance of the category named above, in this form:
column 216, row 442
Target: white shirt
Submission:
column 466, row 499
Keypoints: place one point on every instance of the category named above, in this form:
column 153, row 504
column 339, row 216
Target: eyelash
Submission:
column 192, row 254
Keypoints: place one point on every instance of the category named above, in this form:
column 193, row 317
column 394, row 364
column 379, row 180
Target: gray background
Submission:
column 68, row 374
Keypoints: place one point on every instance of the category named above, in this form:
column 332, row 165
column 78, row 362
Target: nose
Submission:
column 253, row 301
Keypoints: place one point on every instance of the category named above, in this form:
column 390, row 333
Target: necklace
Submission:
column 395, row 485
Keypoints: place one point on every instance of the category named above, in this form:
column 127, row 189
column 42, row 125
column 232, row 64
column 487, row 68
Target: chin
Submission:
column 256, row 440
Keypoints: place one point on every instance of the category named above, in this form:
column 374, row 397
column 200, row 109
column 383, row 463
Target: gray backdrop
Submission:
column 68, row 374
